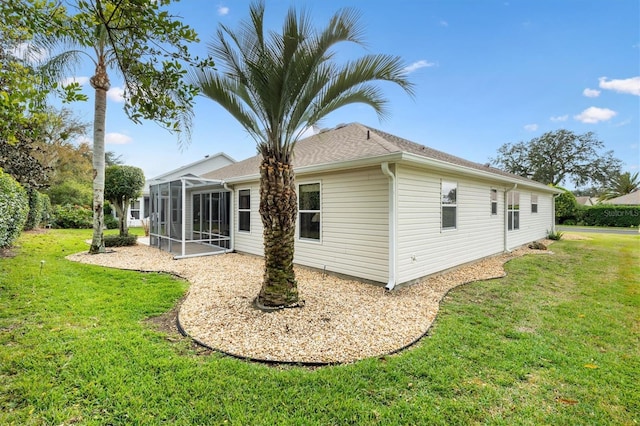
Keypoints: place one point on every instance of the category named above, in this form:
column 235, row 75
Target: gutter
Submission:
column 393, row 196
column 506, row 219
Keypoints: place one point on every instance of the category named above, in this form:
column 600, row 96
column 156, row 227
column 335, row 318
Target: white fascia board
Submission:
column 318, row 168
column 455, row 168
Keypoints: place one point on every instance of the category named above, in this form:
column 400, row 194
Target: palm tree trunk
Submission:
column 100, row 82
column 278, row 210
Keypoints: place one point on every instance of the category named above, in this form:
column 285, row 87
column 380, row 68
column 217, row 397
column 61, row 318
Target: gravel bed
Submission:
column 342, row 321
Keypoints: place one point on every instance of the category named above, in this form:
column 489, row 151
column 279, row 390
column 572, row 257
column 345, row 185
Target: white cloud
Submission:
column 417, row 65
column 30, row 53
column 117, row 139
column 595, row 115
column 627, row 85
column 116, row 94
column 591, row 93
column 223, row 10
column 559, row 118
column 444, row 23
column 531, row 127
column 80, row 80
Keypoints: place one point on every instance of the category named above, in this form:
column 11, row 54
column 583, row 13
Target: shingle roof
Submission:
column 632, row 198
column 353, row 142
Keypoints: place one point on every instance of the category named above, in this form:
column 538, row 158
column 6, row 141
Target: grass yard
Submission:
column 555, row 342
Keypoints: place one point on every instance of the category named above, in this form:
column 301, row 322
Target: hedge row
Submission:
column 602, row 215
column 14, row 207
column 610, row 215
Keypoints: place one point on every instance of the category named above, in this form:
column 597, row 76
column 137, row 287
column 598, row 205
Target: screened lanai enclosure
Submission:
column 190, row 217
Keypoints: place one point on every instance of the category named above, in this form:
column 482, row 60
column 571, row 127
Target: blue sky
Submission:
column 485, row 72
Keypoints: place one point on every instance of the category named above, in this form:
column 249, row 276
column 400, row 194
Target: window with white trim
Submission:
column 244, row 210
column 534, row 203
column 449, row 204
column 309, row 216
column 494, row 202
column 513, row 210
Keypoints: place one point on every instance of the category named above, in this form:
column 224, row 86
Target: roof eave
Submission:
column 456, row 168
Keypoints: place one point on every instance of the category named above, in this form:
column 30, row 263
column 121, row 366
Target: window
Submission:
column 309, row 211
column 513, row 210
column 134, row 209
column 534, row 203
column 494, row 201
column 244, row 210
column 449, row 206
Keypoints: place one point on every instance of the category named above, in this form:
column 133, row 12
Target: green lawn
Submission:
column 555, row 342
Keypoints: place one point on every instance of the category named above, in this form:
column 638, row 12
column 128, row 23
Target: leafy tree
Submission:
column 624, row 183
column 123, row 184
column 276, row 86
column 566, row 206
column 560, row 156
column 143, row 43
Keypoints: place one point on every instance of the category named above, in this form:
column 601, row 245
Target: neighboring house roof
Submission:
column 587, row 201
column 632, row 198
column 355, row 144
column 192, row 169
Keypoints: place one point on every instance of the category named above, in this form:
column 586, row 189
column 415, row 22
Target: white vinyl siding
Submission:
column 249, row 242
column 355, row 225
column 532, row 226
column 422, row 248
column 354, row 211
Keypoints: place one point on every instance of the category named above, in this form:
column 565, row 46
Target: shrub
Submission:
column 118, row 241
column 73, row 216
column 110, row 222
column 46, row 209
column 556, row 236
column 567, row 208
column 611, row 215
column 71, row 192
column 14, row 207
column 34, row 217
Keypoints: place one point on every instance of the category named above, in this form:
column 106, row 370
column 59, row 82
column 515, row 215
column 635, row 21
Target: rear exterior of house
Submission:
column 384, row 209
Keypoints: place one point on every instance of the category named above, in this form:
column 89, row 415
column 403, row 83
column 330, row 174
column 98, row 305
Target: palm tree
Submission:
column 103, row 59
column 276, row 86
column 624, row 183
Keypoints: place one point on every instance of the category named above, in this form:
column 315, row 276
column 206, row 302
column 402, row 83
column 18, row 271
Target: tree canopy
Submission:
column 560, row 157
column 123, row 184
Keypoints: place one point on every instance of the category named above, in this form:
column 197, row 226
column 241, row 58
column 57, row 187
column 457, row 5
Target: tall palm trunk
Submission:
column 100, row 82
column 278, row 210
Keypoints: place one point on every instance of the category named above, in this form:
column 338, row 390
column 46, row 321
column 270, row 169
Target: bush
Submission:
column 556, row 236
column 611, row 215
column 73, row 216
column 46, row 209
column 110, row 222
column 14, row 207
column 118, row 241
column 567, row 208
column 34, row 217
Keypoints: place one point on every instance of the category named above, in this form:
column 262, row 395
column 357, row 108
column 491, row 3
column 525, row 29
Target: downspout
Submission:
column 231, row 223
column 553, row 213
column 506, row 218
column 392, row 225
column 184, row 215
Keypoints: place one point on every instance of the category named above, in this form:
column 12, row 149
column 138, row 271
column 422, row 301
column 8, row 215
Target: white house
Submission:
column 139, row 209
column 371, row 205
